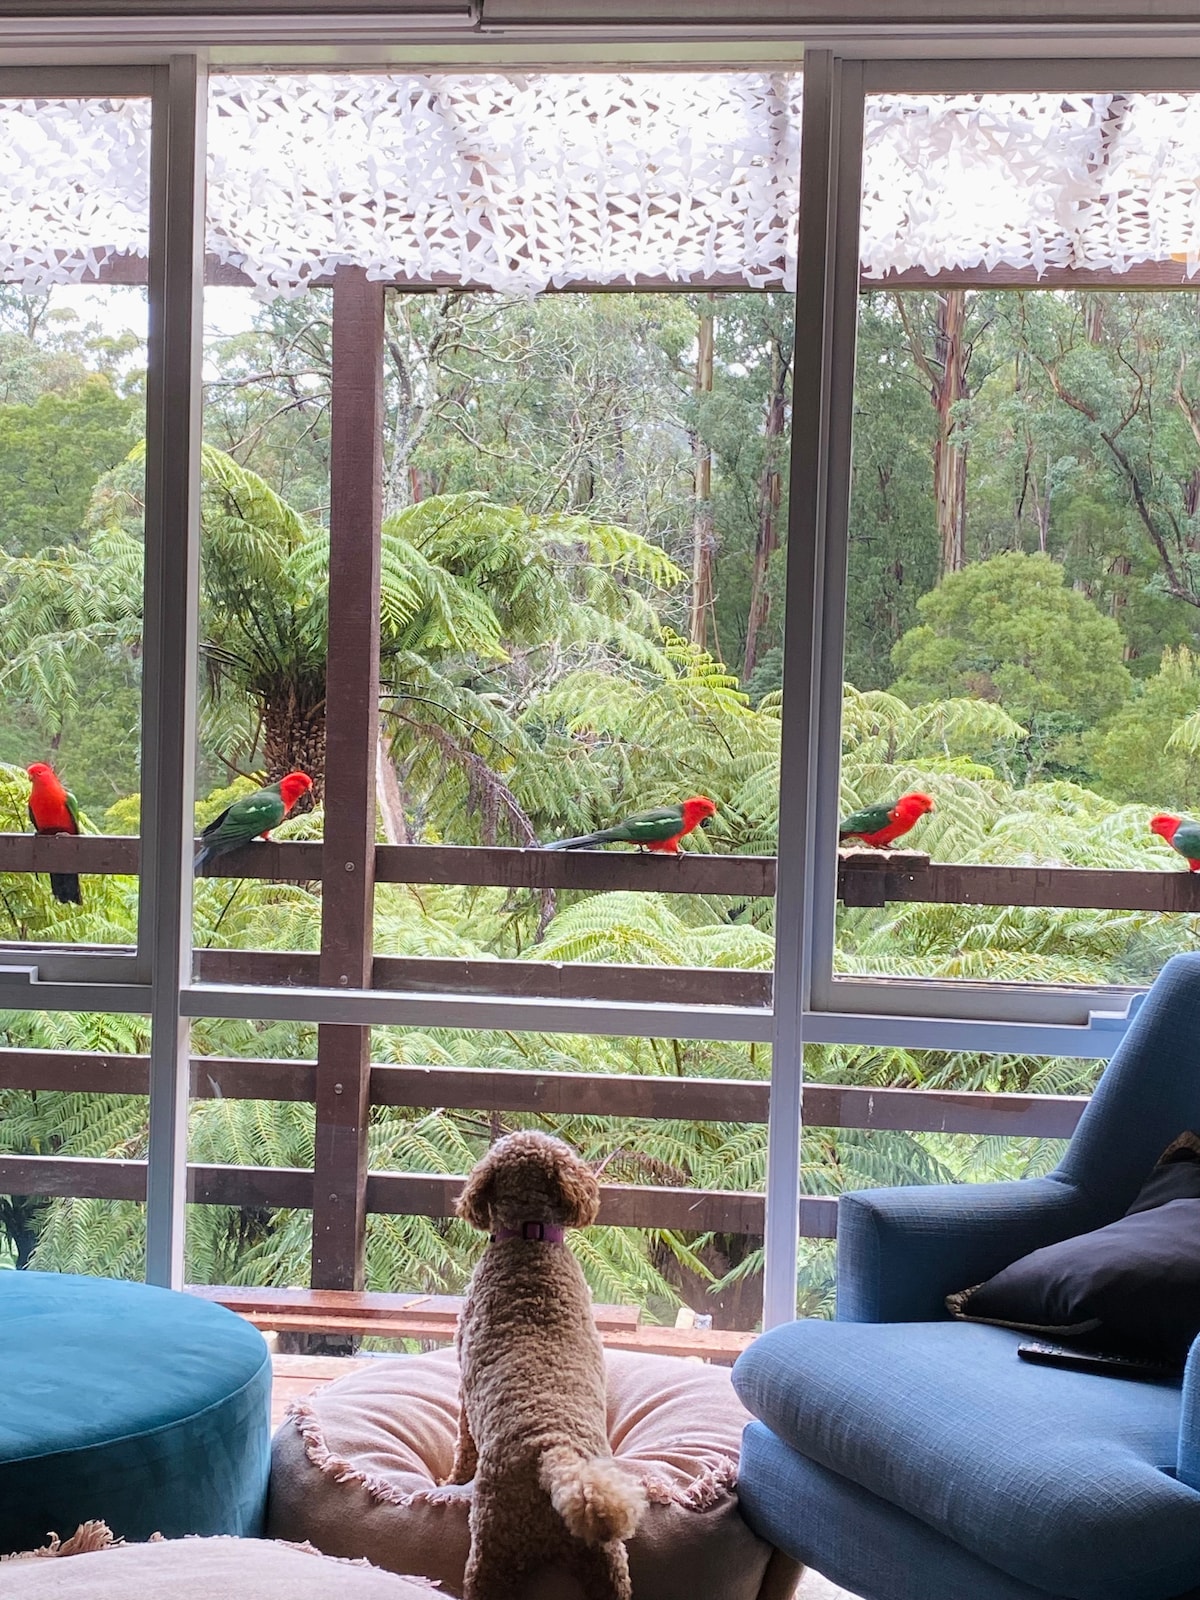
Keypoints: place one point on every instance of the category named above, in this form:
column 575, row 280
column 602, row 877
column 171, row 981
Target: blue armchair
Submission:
column 910, row 1457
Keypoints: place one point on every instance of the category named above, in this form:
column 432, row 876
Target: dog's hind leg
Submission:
column 602, row 1570
column 466, row 1454
column 492, row 1574
column 501, row 1548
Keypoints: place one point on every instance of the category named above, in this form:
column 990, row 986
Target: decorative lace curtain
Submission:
column 1098, row 182
column 522, row 182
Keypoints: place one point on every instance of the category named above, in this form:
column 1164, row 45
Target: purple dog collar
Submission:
column 546, row 1232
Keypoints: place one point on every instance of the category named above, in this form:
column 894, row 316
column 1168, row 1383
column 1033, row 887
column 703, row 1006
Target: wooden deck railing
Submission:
column 866, row 878
column 552, row 1094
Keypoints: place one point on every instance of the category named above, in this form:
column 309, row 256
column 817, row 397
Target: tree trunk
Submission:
column 294, row 736
column 770, row 490
column 704, row 538
column 388, row 795
column 950, row 451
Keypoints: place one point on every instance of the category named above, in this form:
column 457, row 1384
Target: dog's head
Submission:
column 529, row 1177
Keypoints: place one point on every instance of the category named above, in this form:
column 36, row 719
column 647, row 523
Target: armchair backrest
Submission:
column 1149, row 1093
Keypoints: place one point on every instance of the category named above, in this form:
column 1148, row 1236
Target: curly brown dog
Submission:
column 532, row 1428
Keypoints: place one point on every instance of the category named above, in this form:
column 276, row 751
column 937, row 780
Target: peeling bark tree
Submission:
column 945, row 371
column 704, row 534
column 770, row 491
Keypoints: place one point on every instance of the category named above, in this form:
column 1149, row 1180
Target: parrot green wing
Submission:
column 1187, row 840
column 73, row 808
column 869, row 820
column 650, row 827
column 245, row 819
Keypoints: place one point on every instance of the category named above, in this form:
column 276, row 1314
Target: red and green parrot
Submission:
column 52, row 809
column 251, row 817
column 881, row 826
column 659, row 830
column 1181, row 834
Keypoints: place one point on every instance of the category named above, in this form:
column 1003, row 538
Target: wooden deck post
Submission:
column 351, row 729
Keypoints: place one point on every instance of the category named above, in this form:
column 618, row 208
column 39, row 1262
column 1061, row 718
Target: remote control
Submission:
column 1100, row 1361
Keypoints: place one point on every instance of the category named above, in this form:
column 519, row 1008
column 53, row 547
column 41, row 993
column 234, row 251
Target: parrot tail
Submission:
column 64, row 886
column 202, row 857
column 583, row 840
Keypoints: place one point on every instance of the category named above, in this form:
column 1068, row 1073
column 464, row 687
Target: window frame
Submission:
column 810, row 1005
column 931, row 1013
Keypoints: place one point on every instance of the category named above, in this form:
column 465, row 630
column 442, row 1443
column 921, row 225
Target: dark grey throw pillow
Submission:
column 1132, row 1286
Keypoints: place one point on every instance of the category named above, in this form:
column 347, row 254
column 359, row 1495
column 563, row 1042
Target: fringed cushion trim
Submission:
column 701, row 1493
column 342, row 1471
column 87, row 1538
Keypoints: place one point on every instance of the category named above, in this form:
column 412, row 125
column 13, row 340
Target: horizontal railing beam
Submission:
column 875, row 877
column 569, row 1094
column 394, row 1193
column 476, row 866
column 865, row 877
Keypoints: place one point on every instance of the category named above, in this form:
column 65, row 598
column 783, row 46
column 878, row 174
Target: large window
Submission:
column 1017, row 516
column 482, row 526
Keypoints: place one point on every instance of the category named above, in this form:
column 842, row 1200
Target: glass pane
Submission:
column 1023, row 613
column 592, row 491
column 859, row 1133
column 264, row 586
column 74, row 180
column 585, row 497
column 253, row 1115
column 72, row 1093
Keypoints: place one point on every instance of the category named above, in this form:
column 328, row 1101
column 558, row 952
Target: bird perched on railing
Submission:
column 659, row 830
column 251, row 817
column 1182, row 834
column 880, row 826
column 52, row 809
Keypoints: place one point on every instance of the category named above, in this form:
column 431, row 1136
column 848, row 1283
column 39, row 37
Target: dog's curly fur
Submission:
column 532, row 1430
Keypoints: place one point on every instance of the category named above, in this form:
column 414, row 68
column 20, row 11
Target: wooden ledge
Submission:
column 432, row 1319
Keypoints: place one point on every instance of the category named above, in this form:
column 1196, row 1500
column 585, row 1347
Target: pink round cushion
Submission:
column 204, row 1569
column 356, row 1470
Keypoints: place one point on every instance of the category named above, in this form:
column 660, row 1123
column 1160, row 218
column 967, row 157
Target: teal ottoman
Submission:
column 147, row 1409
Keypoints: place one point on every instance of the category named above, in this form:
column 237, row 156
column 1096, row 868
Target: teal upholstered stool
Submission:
column 147, row 1409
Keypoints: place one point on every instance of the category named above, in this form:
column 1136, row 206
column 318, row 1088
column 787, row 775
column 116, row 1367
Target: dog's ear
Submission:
column 579, row 1189
column 474, row 1204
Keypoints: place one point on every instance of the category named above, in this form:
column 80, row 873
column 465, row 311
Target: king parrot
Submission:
column 251, row 817
column 1181, row 834
column 879, row 826
column 660, row 829
column 53, row 810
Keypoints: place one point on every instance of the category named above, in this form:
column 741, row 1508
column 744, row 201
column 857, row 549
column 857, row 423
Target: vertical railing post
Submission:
column 351, row 737
column 172, row 565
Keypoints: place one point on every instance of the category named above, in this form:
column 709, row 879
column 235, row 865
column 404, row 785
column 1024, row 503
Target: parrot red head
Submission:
column 1164, row 825
column 293, row 786
column 698, row 811
column 39, row 769
column 911, row 806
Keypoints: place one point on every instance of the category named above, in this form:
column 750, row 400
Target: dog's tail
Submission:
column 592, row 1495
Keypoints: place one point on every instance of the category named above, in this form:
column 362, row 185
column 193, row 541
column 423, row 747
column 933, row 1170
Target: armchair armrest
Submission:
column 902, row 1251
column 1188, row 1465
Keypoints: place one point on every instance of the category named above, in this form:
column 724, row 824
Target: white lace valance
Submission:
column 522, row 182
column 1097, row 182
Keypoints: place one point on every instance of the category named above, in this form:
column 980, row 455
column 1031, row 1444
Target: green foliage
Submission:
column 1148, row 751
column 51, row 454
column 1008, row 630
